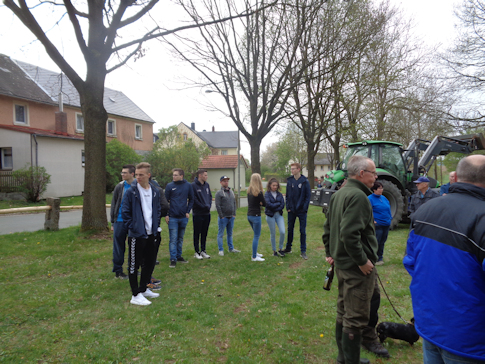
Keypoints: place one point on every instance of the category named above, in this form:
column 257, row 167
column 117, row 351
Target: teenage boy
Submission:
column 180, row 197
column 201, row 213
column 141, row 212
column 117, row 227
column 226, row 211
column 298, row 195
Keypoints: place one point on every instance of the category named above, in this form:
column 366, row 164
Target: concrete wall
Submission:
column 20, row 144
column 62, row 160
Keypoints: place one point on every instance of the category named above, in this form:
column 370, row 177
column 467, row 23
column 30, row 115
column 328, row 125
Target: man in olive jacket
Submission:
column 351, row 245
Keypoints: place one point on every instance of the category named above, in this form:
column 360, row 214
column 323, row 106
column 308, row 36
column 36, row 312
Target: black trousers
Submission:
column 142, row 252
column 201, row 227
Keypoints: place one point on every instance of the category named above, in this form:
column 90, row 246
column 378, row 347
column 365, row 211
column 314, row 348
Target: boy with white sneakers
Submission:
column 141, row 212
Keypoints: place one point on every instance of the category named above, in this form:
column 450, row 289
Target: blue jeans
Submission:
column 433, row 354
column 381, row 235
column 291, row 226
column 255, row 222
column 176, row 228
column 225, row 223
column 272, row 221
column 120, row 232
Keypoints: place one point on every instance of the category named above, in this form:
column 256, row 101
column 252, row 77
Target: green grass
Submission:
column 61, row 302
column 65, row 201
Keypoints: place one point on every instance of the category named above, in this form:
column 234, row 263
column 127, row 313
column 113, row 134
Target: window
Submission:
column 138, row 134
column 83, row 158
column 224, row 152
column 6, row 160
column 321, row 168
column 111, row 127
column 185, row 137
column 21, row 114
column 79, row 123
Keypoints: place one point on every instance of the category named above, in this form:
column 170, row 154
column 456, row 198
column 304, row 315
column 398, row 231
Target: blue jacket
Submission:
column 445, row 188
column 274, row 205
column 132, row 212
column 202, row 198
column 180, row 196
column 445, row 257
column 381, row 209
column 298, row 195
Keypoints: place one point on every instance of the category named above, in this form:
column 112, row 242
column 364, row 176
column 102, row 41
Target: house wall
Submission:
column 42, row 116
column 183, row 129
column 62, row 160
column 20, row 144
column 214, row 176
column 318, row 170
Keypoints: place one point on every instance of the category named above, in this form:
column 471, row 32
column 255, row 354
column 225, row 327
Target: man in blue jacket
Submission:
column 298, row 195
column 445, row 257
column 201, row 213
column 141, row 212
column 180, row 197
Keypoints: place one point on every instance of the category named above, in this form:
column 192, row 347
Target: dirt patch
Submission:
column 296, row 265
column 242, row 307
column 102, row 236
column 320, row 247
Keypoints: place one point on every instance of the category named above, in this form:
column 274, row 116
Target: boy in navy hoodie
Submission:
column 180, row 196
column 298, row 195
column 201, row 213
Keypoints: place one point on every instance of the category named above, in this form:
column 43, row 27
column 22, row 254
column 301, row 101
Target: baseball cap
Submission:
column 421, row 179
column 224, row 177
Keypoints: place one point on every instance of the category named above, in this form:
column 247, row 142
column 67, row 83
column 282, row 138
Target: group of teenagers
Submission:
column 139, row 203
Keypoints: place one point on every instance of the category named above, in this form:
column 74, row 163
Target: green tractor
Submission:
column 396, row 167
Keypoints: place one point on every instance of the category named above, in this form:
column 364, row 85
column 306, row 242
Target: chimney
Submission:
column 213, row 129
column 61, row 123
column 192, row 126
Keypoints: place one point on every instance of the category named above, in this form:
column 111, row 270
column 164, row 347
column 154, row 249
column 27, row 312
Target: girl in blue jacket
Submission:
column 275, row 203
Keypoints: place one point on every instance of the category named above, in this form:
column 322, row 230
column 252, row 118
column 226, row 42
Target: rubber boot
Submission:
column 338, row 338
column 351, row 348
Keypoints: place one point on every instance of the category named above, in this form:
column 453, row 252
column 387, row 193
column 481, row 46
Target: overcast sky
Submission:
column 156, row 82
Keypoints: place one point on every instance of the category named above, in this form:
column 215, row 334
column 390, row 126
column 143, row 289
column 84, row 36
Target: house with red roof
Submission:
column 34, row 131
column 224, row 160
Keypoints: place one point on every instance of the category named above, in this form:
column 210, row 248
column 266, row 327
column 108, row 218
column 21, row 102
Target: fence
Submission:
column 8, row 183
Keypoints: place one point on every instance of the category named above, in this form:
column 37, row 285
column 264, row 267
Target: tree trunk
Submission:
column 311, row 164
column 255, row 156
column 95, row 116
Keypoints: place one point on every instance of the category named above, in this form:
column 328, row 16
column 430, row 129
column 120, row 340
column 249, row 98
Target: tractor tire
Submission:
column 393, row 194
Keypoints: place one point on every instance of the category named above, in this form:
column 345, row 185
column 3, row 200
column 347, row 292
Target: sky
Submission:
column 157, row 82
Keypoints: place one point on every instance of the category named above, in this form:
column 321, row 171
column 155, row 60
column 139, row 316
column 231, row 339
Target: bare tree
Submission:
column 104, row 35
column 249, row 61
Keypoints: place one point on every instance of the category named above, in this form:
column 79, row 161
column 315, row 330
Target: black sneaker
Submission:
column 173, row 264
column 155, row 281
column 286, row 251
column 157, row 262
column 304, row 256
column 121, row 275
column 182, row 260
column 281, row 253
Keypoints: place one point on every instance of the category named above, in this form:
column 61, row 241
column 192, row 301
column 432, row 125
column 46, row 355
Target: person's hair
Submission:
column 470, row 170
column 200, row 171
column 298, row 165
column 179, row 170
column 271, row 181
column 255, row 185
column 130, row 168
column 144, row 165
column 376, row 186
column 356, row 164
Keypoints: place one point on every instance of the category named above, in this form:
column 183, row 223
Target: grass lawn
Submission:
column 65, row 201
column 62, row 304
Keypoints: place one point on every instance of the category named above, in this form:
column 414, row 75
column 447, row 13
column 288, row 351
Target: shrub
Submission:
column 33, row 181
column 117, row 155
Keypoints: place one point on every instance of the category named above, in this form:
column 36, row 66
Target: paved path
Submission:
column 33, row 222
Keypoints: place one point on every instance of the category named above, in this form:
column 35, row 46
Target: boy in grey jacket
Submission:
column 226, row 209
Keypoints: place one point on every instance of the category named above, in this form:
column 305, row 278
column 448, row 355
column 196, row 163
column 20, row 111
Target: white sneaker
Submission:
column 221, row 253
column 148, row 293
column 259, row 255
column 234, row 251
column 198, row 256
column 205, row 255
column 139, row 300
column 257, row 259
